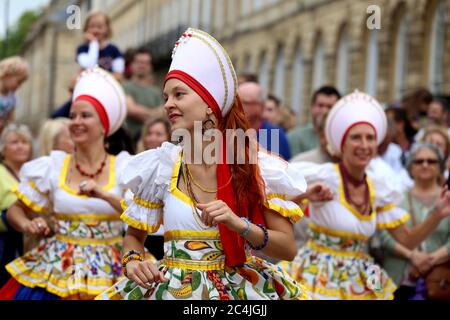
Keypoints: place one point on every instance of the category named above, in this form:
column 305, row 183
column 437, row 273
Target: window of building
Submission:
column 279, row 73
column 248, row 64
column 219, row 10
column 343, row 65
column 166, row 17
column 437, row 49
column 319, row 65
column 195, row 13
column 206, row 15
column 401, row 59
column 174, row 16
column 259, row 4
column 372, row 63
column 246, row 6
column 231, row 10
column 184, row 12
column 264, row 72
column 297, row 82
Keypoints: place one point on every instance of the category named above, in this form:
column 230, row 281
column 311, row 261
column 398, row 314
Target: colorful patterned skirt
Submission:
column 336, row 268
column 195, row 269
column 77, row 266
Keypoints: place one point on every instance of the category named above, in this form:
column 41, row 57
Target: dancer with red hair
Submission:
column 215, row 212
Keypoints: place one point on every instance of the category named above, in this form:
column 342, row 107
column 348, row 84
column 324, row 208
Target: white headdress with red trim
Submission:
column 350, row 110
column 102, row 90
column 200, row 61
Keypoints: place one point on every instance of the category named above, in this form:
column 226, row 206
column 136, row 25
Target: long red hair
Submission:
column 248, row 183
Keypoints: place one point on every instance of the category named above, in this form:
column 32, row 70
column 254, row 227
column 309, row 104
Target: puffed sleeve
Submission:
column 147, row 178
column 327, row 173
column 34, row 187
column 282, row 181
column 121, row 161
column 388, row 197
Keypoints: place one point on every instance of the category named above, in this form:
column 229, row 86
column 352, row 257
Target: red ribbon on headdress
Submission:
column 233, row 244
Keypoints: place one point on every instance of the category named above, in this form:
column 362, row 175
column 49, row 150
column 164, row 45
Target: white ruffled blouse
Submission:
column 152, row 178
column 83, row 257
column 43, row 184
column 338, row 217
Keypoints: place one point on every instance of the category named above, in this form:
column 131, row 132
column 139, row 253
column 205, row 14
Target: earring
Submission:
column 208, row 124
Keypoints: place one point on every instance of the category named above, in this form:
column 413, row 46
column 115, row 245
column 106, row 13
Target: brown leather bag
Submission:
column 438, row 282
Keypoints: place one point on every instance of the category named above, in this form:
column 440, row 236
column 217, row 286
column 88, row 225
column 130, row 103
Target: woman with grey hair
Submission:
column 425, row 164
column 334, row 263
column 15, row 150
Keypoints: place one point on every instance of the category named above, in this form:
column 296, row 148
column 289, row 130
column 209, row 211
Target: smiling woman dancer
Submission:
column 83, row 258
column 334, row 263
column 213, row 213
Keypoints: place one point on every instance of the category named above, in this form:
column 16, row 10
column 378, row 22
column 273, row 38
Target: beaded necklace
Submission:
column 363, row 207
column 90, row 175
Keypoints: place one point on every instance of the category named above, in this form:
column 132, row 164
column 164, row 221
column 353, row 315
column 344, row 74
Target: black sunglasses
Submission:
column 428, row 161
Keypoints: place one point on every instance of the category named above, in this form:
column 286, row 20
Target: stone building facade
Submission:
column 294, row 46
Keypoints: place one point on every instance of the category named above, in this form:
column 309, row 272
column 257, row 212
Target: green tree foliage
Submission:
column 17, row 34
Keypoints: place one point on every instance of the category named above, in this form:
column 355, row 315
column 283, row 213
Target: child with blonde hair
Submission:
column 97, row 50
column 13, row 72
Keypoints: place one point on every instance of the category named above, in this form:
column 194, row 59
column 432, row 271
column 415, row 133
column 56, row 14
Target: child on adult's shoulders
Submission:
column 97, row 50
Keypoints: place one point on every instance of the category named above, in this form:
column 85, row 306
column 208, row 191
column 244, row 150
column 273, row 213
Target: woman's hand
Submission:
column 91, row 189
column 319, row 191
column 217, row 212
column 36, row 226
column 443, row 204
column 144, row 273
column 422, row 261
column 316, row 192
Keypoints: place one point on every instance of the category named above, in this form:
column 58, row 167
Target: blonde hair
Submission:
column 48, row 134
column 95, row 13
column 288, row 119
column 19, row 129
column 150, row 123
column 14, row 66
column 439, row 130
